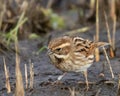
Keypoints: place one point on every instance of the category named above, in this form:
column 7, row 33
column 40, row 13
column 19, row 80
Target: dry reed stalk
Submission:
column 97, row 57
column 31, row 75
column 112, row 53
column 8, row 87
column 92, row 4
column 114, row 32
column 19, row 82
column 113, row 15
column 111, row 71
column 108, row 29
column 3, row 7
column 108, row 35
column 26, row 76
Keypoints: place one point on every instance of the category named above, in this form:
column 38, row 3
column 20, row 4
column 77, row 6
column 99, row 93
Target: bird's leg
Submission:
column 86, row 80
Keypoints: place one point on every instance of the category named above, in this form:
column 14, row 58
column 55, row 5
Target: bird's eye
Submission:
column 58, row 49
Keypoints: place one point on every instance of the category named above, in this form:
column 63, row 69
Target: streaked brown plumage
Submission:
column 72, row 54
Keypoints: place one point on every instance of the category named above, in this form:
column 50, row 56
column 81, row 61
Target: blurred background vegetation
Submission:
column 28, row 19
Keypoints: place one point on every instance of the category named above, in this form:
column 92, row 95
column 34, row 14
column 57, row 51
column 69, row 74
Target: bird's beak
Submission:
column 49, row 52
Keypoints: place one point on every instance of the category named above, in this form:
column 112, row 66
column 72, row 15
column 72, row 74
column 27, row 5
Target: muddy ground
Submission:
column 45, row 73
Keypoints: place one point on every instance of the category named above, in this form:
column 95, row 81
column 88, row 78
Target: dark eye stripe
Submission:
column 58, row 49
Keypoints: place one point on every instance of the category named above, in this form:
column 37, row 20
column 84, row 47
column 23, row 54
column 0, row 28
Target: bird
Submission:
column 73, row 54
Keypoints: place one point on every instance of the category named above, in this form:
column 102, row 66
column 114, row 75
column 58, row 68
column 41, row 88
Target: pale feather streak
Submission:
column 62, row 56
column 63, row 45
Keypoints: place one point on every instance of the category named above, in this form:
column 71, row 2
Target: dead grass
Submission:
column 26, row 76
column 19, row 91
column 31, row 76
column 109, row 64
column 97, row 57
column 8, row 87
column 112, row 54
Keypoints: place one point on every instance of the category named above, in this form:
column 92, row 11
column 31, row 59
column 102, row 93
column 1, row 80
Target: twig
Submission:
column 114, row 31
column 97, row 30
column 109, row 36
column 31, row 75
column 114, row 22
column 26, row 76
column 108, row 62
column 108, row 29
column 7, row 77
